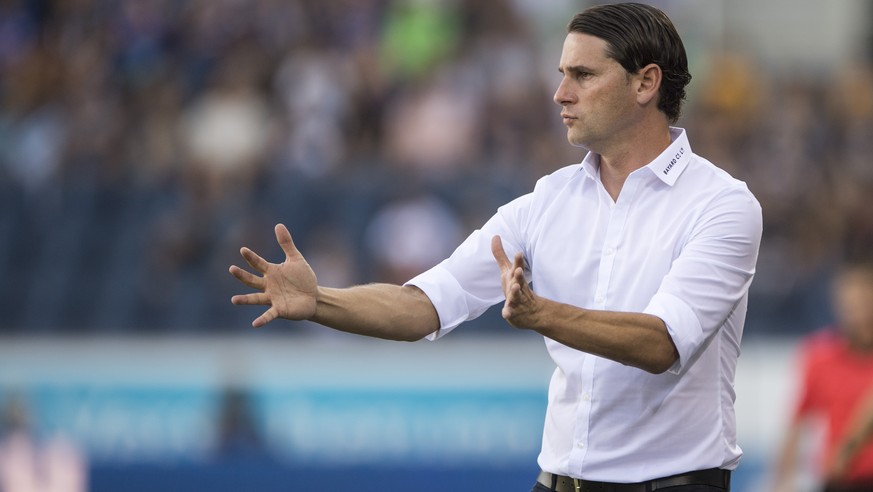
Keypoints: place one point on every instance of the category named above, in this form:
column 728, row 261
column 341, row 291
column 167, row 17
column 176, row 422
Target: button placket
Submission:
column 614, row 232
column 583, row 414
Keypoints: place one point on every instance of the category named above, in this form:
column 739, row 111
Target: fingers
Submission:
column 518, row 262
column 514, row 270
column 259, row 282
column 269, row 315
column 285, row 241
column 518, row 290
column 520, row 306
column 516, row 287
column 247, row 278
column 254, row 260
column 499, row 253
column 258, row 298
column 518, row 271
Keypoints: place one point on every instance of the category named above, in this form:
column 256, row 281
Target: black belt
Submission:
column 715, row 477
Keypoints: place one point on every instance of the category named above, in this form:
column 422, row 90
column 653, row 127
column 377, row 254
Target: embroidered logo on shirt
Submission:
column 674, row 160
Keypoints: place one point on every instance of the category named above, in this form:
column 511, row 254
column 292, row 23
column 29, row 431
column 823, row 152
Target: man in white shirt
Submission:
column 635, row 265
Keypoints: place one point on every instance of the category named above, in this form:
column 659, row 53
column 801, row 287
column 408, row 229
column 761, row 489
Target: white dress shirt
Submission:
column 680, row 243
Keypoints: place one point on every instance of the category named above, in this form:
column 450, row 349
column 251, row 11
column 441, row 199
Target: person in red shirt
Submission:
column 837, row 387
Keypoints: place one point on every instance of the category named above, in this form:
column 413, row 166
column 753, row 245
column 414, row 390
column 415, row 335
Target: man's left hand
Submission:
column 522, row 307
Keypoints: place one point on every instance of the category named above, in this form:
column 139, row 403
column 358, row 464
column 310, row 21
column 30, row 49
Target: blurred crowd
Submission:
column 143, row 142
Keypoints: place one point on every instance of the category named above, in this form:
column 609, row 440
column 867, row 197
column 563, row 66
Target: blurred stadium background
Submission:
column 142, row 142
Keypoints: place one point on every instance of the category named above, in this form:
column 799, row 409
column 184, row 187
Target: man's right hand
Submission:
column 290, row 288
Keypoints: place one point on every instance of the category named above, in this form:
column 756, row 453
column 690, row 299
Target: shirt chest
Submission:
column 595, row 253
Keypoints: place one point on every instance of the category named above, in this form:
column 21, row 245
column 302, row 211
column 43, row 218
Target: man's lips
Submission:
column 567, row 118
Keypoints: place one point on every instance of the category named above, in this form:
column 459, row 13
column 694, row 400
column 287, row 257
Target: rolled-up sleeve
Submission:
column 447, row 296
column 466, row 284
column 712, row 273
column 682, row 325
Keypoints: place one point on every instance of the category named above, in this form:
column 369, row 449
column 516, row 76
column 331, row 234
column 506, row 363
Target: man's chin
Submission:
column 576, row 142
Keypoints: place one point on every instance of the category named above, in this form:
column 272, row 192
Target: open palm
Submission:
column 290, row 288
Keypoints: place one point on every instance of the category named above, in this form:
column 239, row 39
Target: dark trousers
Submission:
column 860, row 487
column 681, row 488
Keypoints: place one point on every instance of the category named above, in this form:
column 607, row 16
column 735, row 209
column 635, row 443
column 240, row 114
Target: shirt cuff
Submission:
column 442, row 289
column 682, row 326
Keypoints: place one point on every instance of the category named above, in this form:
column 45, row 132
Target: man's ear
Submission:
column 648, row 83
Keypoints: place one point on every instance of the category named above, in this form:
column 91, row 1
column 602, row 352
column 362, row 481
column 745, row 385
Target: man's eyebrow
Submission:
column 575, row 69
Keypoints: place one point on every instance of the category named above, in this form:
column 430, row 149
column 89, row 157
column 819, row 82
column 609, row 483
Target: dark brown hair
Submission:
column 637, row 35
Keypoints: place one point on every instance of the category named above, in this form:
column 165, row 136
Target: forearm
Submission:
column 386, row 311
column 634, row 339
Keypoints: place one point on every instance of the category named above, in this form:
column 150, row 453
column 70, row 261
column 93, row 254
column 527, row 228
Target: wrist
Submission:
column 538, row 317
column 322, row 296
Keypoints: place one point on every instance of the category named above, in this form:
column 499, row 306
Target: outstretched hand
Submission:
column 522, row 306
column 290, row 288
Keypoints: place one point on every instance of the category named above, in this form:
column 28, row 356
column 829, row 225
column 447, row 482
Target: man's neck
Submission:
column 617, row 163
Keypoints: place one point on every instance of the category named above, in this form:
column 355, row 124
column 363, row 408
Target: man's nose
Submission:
column 563, row 95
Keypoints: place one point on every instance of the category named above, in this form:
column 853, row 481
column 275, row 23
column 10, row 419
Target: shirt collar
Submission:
column 674, row 159
column 591, row 164
column 667, row 166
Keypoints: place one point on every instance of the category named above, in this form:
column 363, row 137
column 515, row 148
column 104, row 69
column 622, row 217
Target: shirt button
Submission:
column 586, row 397
column 580, row 444
column 599, row 300
column 610, row 251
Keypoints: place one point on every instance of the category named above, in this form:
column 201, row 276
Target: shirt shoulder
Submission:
column 703, row 173
column 558, row 179
column 526, row 208
column 554, row 187
column 707, row 185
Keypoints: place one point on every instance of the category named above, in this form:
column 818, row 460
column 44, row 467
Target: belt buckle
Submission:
column 577, row 484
